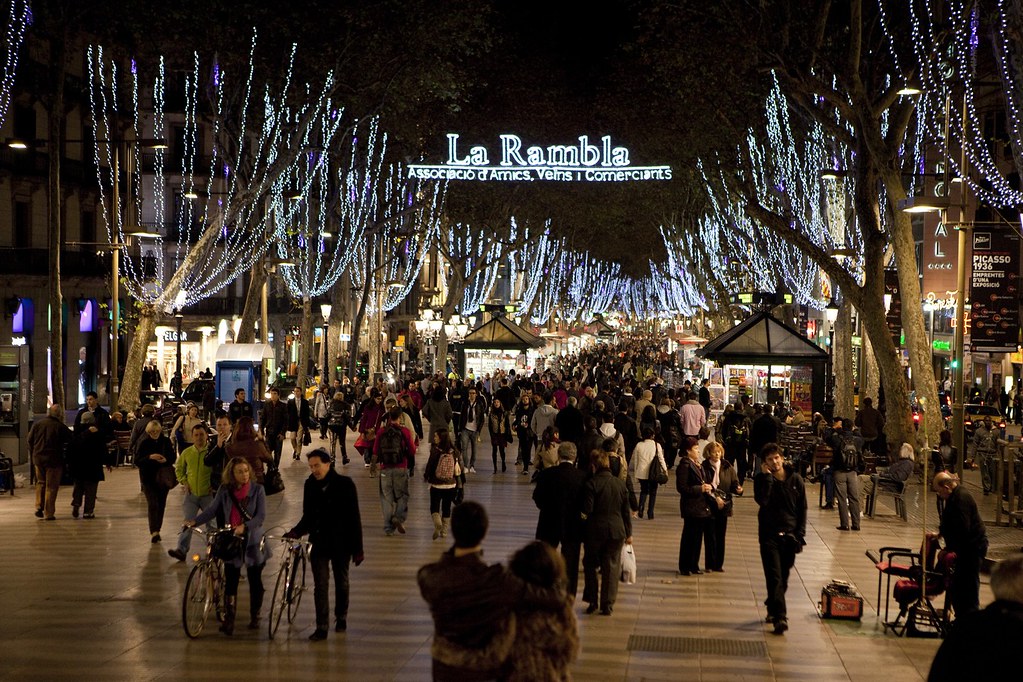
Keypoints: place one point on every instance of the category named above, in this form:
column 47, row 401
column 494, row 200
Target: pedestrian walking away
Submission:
column 392, row 448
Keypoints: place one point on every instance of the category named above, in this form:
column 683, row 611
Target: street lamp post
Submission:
column 325, row 309
column 177, row 341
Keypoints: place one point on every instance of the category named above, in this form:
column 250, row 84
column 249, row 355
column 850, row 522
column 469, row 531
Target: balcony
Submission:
column 74, row 262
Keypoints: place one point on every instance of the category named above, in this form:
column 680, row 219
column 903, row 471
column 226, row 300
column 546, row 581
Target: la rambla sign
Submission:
column 512, row 161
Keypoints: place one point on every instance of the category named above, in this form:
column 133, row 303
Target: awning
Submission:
column 244, row 352
column 500, row 333
column 762, row 339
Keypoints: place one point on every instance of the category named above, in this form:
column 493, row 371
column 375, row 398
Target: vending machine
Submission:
column 15, row 402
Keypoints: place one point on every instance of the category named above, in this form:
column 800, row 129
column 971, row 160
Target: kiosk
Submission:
column 243, row 365
column 770, row 361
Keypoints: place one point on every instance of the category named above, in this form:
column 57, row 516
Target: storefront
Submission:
column 198, row 348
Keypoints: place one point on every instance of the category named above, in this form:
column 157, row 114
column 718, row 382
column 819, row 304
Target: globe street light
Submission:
column 325, row 309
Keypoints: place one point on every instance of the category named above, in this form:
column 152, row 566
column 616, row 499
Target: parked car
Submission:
column 158, row 399
column 286, row 386
column 973, row 413
column 195, row 391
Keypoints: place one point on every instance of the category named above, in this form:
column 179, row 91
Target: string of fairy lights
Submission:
column 947, row 61
column 223, row 220
column 358, row 214
column 19, row 18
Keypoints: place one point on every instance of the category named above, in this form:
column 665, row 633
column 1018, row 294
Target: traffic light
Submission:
column 955, row 364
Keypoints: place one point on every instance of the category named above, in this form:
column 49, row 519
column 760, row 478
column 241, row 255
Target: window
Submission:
column 22, row 238
column 24, row 122
column 88, row 230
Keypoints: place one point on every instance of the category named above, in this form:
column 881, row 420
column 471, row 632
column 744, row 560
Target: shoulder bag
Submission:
column 273, row 482
column 166, row 477
column 657, row 472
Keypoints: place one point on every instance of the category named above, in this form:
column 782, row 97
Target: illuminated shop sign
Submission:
column 513, row 161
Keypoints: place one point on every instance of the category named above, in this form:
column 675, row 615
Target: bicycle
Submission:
column 204, row 589
column 290, row 583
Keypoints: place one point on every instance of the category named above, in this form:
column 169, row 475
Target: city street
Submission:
column 93, row 598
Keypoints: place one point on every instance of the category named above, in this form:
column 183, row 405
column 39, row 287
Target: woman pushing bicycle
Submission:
column 242, row 502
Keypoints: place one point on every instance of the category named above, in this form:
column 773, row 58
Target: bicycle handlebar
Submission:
column 297, row 541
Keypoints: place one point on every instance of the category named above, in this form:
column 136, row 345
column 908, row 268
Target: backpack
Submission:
column 850, row 454
column 392, row 446
column 737, row 432
column 445, row 471
column 674, row 434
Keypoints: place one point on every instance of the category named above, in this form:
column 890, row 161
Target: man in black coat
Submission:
column 558, row 496
column 273, row 423
column 964, row 534
column 102, row 421
column 608, row 516
column 781, row 496
column 330, row 515
column 763, row 430
column 506, row 395
column 570, row 423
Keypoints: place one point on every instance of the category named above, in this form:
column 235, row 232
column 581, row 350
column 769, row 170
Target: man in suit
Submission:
column 558, row 496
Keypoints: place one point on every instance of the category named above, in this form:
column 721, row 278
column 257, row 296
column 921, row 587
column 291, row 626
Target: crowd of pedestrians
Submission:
column 598, row 431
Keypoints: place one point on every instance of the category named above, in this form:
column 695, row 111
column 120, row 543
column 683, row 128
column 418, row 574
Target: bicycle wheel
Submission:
column 278, row 605
column 296, row 586
column 197, row 600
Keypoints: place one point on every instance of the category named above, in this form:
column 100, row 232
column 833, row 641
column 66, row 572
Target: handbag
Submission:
column 725, row 497
column 657, row 472
column 306, row 438
column 166, row 478
column 628, row 565
column 273, row 482
column 227, row 546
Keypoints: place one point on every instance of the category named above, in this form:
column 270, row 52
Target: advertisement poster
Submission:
column 801, row 389
column 894, row 315
column 994, row 290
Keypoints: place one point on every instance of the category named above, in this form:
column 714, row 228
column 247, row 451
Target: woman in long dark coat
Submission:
column 695, row 506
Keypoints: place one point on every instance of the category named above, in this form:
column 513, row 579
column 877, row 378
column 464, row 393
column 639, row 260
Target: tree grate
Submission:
column 746, row 648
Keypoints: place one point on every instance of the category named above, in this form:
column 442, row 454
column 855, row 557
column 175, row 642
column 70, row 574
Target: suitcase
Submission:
column 839, row 600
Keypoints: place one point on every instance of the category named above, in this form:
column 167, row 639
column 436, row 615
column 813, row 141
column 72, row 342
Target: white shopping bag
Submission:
column 628, row 565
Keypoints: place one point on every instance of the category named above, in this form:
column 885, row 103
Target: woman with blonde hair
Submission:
column 724, row 481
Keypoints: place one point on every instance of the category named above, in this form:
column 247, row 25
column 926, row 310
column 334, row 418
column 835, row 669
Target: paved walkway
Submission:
column 94, row 599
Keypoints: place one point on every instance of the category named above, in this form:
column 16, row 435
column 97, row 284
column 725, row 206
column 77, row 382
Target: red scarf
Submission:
column 240, row 495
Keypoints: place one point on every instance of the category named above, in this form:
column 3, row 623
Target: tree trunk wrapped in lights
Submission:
column 775, row 193
column 219, row 229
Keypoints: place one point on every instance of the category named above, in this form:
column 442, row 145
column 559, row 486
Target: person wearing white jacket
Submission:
column 642, row 457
